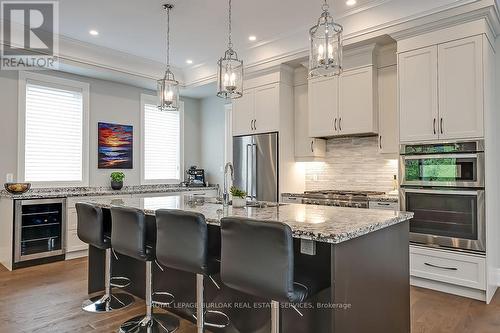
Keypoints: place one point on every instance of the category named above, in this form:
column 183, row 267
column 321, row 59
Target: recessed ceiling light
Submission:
column 252, row 38
column 350, row 2
column 189, row 61
column 94, row 32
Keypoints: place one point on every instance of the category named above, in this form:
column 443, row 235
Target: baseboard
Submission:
column 477, row 294
column 77, row 254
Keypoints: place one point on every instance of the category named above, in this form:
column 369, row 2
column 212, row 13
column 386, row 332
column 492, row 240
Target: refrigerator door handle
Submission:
column 254, row 169
column 247, row 188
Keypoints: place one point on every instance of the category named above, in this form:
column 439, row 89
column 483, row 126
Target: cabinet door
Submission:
column 267, row 110
column 243, row 113
column 418, row 95
column 323, row 107
column 357, row 111
column 460, row 69
column 388, row 110
column 305, row 147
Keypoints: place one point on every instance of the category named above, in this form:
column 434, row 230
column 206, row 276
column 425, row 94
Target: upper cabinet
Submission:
column 258, row 111
column 388, row 110
column 345, row 105
column 441, row 91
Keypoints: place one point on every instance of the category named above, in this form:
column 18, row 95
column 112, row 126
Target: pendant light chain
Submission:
column 230, row 45
column 325, row 6
column 168, row 37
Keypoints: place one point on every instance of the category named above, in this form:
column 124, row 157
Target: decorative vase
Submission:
column 116, row 185
column 239, row 202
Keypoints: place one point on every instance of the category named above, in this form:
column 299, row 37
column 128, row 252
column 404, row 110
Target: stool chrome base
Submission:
column 158, row 323
column 107, row 303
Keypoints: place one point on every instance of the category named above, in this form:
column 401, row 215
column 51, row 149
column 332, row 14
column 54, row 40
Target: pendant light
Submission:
column 230, row 71
column 168, row 87
column 325, row 54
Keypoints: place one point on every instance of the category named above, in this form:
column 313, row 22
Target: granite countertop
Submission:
column 65, row 192
column 320, row 223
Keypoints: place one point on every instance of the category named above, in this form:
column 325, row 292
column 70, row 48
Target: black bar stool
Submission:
column 129, row 237
column 257, row 258
column 182, row 244
column 91, row 230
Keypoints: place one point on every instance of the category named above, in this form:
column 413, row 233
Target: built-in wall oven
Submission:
column 39, row 230
column 443, row 185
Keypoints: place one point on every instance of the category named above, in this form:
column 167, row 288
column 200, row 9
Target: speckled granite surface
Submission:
column 379, row 198
column 64, row 192
column 320, row 223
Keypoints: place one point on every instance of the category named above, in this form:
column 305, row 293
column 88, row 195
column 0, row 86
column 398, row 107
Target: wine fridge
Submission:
column 39, row 229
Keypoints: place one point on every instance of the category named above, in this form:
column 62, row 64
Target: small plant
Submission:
column 117, row 176
column 237, row 193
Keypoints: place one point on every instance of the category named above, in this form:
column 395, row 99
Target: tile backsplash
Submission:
column 352, row 164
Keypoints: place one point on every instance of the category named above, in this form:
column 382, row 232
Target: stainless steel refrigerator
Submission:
column 255, row 159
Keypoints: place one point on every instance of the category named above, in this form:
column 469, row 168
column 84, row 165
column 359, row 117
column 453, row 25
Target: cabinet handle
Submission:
column 380, row 142
column 312, row 146
column 335, row 124
column 441, row 125
column 441, row 267
column 255, row 124
column 340, row 124
column 434, row 126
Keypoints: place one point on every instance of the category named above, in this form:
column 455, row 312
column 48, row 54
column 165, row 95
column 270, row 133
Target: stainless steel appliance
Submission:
column 255, row 159
column 339, row 198
column 443, row 184
column 39, row 229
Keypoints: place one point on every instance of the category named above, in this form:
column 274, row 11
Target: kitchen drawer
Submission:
column 466, row 270
column 384, row 205
column 73, row 243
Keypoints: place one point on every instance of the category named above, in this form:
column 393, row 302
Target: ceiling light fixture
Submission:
column 189, row 61
column 350, row 2
column 230, row 70
column 94, row 32
column 325, row 54
column 168, row 87
column 252, row 38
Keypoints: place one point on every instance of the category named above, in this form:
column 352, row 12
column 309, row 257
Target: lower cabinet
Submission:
column 449, row 271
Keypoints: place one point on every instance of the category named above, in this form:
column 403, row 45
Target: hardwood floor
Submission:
column 47, row 298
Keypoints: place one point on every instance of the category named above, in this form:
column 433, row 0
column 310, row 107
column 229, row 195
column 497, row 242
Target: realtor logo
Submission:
column 29, row 35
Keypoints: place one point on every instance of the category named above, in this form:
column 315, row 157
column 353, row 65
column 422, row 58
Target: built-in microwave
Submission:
column 454, row 164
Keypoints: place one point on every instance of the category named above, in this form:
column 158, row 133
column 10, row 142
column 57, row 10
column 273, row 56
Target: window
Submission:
column 162, row 143
column 53, row 130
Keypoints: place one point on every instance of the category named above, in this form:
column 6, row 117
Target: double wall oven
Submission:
column 443, row 185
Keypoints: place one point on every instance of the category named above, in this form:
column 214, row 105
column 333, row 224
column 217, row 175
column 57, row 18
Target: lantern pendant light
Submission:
column 230, row 71
column 168, row 87
column 325, row 54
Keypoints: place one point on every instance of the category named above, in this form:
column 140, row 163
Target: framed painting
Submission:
column 115, row 147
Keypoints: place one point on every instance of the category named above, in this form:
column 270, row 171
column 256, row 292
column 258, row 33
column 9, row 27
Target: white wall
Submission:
column 212, row 138
column 109, row 102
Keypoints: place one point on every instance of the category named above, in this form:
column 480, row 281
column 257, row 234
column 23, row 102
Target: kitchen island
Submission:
column 360, row 255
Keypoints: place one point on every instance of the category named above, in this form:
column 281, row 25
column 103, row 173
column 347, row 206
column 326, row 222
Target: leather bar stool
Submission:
column 91, row 230
column 182, row 244
column 129, row 237
column 257, row 258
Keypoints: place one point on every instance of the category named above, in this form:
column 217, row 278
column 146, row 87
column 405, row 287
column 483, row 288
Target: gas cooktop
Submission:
column 356, row 199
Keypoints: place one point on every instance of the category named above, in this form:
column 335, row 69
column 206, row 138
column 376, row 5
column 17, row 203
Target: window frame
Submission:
column 153, row 99
column 60, row 83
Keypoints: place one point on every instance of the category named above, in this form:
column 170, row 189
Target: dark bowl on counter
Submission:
column 17, row 188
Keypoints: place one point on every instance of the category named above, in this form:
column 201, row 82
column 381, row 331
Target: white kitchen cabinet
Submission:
column 267, row 108
column 257, row 111
column 358, row 102
column 418, row 95
column 244, row 113
column 460, row 72
column 388, row 110
column 306, row 148
column 323, row 107
column 441, row 91
column 345, row 105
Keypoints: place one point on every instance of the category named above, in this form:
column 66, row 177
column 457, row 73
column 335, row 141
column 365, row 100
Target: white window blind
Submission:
column 53, row 145
column 162, row 144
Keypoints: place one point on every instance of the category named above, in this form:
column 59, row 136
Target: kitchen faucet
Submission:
column 225, row 194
